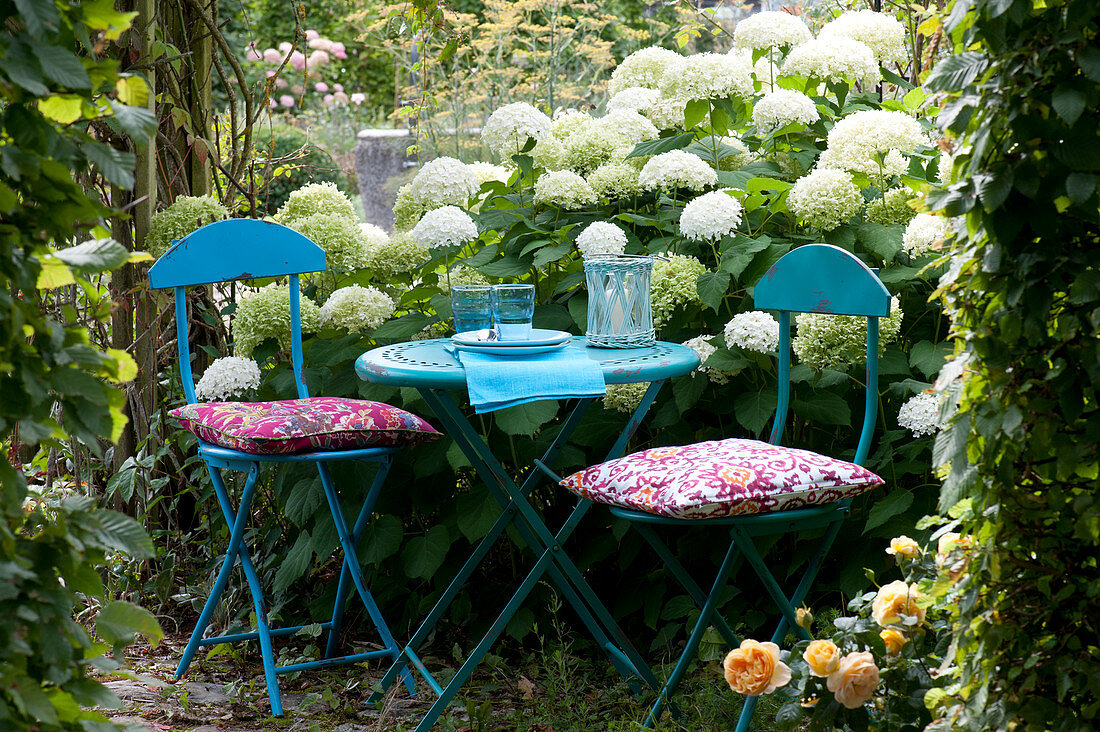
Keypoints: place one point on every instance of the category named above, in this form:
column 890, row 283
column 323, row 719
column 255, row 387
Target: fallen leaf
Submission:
column 526, row 686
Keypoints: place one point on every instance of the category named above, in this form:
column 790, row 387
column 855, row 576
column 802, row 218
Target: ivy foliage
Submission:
column 1023, row 291
column 53, row 382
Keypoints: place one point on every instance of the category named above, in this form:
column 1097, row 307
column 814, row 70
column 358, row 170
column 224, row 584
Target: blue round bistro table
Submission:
column 431, row 367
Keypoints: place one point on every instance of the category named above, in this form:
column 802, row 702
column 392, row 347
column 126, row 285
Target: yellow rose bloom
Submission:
column 894, row 599
column 903, row 546
column 854, row 680
column 894, row 640
column 822, row 656
column 755, row 668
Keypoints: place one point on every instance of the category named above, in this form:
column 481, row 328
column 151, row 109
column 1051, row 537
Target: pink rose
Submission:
column 341, row 97
column 287, row 101
column 298, row 60
column 321, row 87
column 311, row 34
column 328, row 98
column 338, row 87
column 252, row 54
column 321, row 44
column 297, row 90
column 272, row 56
column 317, row 58
column 281, row 83
column 272, row 104
column 285, row 47
column 338, row 50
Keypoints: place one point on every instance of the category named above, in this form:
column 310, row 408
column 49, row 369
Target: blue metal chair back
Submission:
column 236, row 249
column 843, row 285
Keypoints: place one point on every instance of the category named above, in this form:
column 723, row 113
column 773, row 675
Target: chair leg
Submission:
column 237, row 526
column 351, row 562
column 692, row 646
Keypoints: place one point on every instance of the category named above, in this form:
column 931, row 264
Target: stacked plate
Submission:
column 486, row 341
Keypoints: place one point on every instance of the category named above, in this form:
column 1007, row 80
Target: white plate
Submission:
column 511, row 350
column 539, row 337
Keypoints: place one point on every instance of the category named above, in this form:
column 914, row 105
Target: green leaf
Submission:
column 507, row 266
column 295, row 563
column 1089, row 60
column 96, row 255
column 404, row 327
column 755, row 409
column 63, row 67
column 1079, row 186
column 993, row 188
column 1069, row 103
column 824, row 407
column 38, row 15
column 740, row 255
column 20, row 69
column 929, row 357
column 306, row 496
column 477, row 511
column 525, row 419
column 885, row 241
column 137, row 123
column 63, row 109
column 120, row 621
column 119, row 531
column 101, row 15
column 661, row 145
column 695, row 111
column 521, row 623
column 712, row 287
column 956, row 72
column 381, row 539
column 424, row 554
column 686, row 391
column 893, row 78
column 116, row 166
column 896, row 502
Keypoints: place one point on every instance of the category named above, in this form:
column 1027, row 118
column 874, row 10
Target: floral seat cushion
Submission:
column 303, row 425
column 722, row 478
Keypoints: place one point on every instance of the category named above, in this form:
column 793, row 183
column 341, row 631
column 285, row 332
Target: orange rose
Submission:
column 894, row 640
column 854, row 680
column 894, row 599
column 903, row 546
column 755, row 668
column 822, row 656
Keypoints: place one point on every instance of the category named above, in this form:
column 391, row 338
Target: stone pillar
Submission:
column 380, row 155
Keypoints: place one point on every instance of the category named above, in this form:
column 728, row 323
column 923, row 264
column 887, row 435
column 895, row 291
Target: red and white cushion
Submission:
column 721, row 478
column 303, row 425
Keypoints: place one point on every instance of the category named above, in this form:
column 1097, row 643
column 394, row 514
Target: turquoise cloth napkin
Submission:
column 497, row 382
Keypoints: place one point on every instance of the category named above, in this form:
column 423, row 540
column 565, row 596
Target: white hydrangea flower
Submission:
column 614, row 180
column 892, row 208
column 836, row 341
column 564, row 189
column 633, row 99
column 227, row 377
column 354, row 308
column 588, row 147
column 676, row 169
column 313, row 199
column 406, row 212
column 624, row 398
column 444, row 226
column 825, row 198
column 442, row 182
column 708, row 76
column 753, row 331
column 628, row 127
column 922, row 233
column 737, row 157
column 944, row 167
column 835, row 59
column 882, row 33
column 782, row 107
column 673, row 284
column 764, row 70
column 702, row 346
column 770, row 29
column 550, row 153
column 461, row 275
column 643, row 68
column 710, row 216
column 508, row 128
column 265, row 313
column 485, row 172
column 855, row 141
column 568, row 121
column 397, row 254
column 921, row 414
column 601, row 237
column 667, row 113
column 374, row 236
column 341, row 238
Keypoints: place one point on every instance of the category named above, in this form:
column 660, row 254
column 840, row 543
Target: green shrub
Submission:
column 292, row 162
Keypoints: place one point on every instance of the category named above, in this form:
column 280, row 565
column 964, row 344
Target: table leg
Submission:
column 539, row 539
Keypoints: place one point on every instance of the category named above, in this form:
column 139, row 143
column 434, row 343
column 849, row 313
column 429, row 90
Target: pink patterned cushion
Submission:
column 303, row 425
column 720, row 478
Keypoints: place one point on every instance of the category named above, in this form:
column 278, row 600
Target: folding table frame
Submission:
column 427, row 366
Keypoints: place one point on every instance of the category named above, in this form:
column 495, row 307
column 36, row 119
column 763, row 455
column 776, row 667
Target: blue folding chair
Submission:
column 751, row 488
column 245, row 249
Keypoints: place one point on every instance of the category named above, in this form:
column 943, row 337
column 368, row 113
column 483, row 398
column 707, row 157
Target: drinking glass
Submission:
column 513, row 308
column 472, row 307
